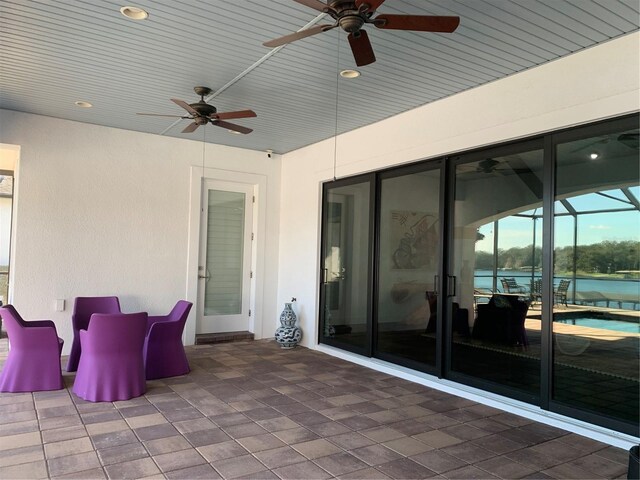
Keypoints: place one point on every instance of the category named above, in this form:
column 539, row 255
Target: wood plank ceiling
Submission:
column 53, row 53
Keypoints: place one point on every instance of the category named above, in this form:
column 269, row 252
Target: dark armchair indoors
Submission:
column 33, row 363
column 163, row 349
column 502, row 321
column 460, row 316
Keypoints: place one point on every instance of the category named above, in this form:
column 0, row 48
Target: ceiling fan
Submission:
column 202, row 113
column 508, row 166
column 628, row 139
column 487, row 165
column 352, row 15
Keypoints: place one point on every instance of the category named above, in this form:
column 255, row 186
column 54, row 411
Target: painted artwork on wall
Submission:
column 414, row 240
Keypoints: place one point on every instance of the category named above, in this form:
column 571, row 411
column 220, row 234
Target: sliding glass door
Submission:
column 494, row 268
column 345, row 296
column 596, row 274
column 409, row 253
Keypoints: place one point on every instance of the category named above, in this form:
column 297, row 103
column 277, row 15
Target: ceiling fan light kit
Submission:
column 352, row 15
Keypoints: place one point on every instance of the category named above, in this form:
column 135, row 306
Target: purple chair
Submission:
column 111, row 366
column 83, row 308
column 33, row 363
column 163, row 350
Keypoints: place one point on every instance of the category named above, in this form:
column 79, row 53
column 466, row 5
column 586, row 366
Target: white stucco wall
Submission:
column 593, row 84
column 102, row 211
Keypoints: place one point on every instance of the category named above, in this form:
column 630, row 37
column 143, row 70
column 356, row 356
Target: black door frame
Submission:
column 437, row 164
column 335, row 342
column 535, row 143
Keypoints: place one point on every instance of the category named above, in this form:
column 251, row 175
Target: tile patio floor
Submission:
column 253, row 410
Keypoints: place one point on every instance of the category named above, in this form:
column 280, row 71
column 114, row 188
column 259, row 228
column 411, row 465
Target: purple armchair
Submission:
column 33, row 363
column 111, row 366
column 163, row 350
column 83, row 308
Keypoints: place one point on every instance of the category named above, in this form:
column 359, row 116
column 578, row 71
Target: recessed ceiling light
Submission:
column 234, row 132
column 594, row 155
column 134, row 13
column 350, row 73
column 83, row 104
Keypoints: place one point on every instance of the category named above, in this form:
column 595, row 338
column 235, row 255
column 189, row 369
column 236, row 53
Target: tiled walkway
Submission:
column 253, row 410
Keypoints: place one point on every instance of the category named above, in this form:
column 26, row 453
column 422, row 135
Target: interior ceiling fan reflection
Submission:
column 501, row 167
column 629, row 139
column 202, row 113
column 352, row 15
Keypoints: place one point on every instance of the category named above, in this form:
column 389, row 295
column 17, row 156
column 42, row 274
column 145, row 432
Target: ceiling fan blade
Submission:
column 185, row 105
column 160, row 115
column 238, row 114
column 361, row 48
column 298, row 35
column 190, row 128
column 315, row 4
column 630, row 140
column 371, row 5
column 421, row 23
column 231, row 126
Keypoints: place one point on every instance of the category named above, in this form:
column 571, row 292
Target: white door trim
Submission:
column 259, row 183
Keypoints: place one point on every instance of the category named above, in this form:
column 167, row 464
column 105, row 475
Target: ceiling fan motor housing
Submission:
column 203, row 109
column 348, row 15
column 351, row 23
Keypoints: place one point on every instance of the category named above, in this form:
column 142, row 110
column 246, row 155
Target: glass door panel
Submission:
column 224, row 273
column 223, row 290
column 346, row 256
column 494, row 315
column 597, row 275
column 6, row 212
column 408, row 264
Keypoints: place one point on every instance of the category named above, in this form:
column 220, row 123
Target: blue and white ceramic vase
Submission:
column 287, row 334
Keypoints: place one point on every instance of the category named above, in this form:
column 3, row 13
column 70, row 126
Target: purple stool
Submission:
column 33, row 363
column 111, row 366
column 83, row 308
column 163, row 350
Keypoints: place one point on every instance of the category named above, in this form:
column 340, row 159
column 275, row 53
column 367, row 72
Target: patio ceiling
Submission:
column 55, row 53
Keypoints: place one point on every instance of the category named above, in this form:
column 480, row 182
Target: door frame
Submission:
column 320, row 338
column 524, row 145
column 11, row 165
column 198, row 175
column 437, row 164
